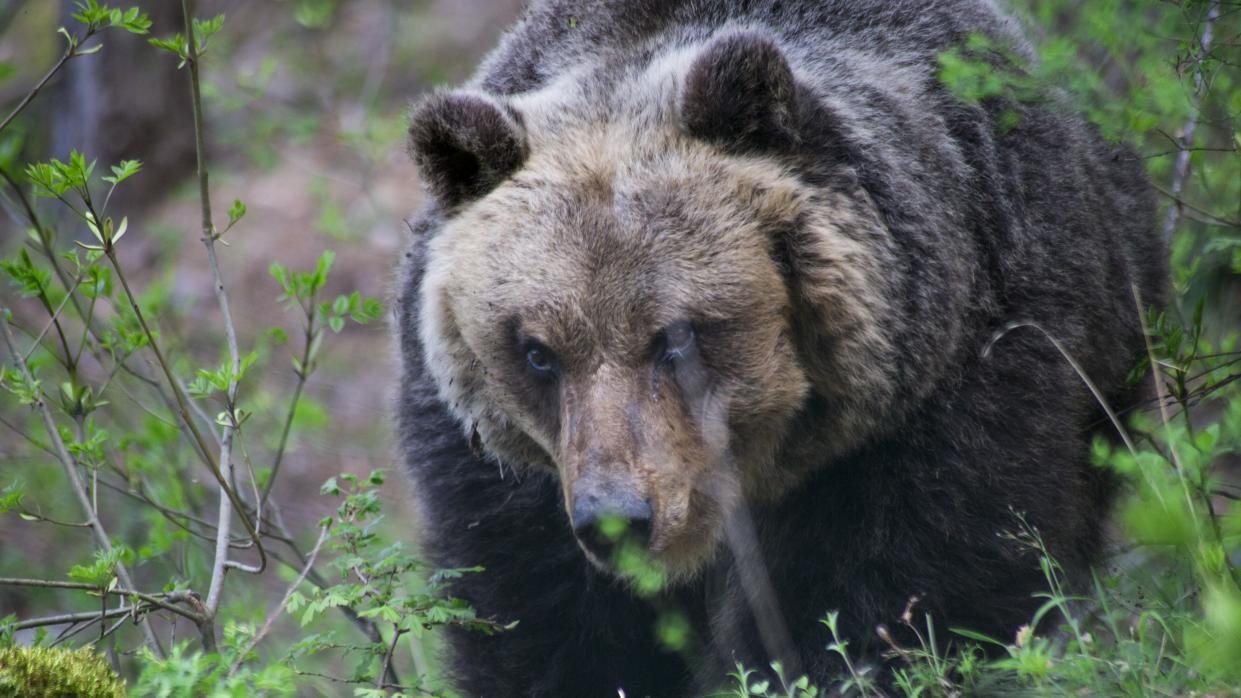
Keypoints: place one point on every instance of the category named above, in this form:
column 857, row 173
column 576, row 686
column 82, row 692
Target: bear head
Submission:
column 635, row 289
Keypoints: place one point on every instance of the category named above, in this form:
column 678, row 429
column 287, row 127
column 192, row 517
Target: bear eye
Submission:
column 678, row 339
column 540, row 359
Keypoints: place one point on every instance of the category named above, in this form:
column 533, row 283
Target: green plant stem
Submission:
column 70, row 467
column 54, row 321
column 302, row 376
column 55, row 522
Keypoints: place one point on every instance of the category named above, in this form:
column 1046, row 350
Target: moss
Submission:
column 44, row 672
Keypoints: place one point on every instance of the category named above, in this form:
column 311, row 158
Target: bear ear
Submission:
column 464, row 144
column 740, row 94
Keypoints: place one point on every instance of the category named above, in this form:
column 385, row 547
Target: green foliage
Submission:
column 749, row 685
column 209, row 382
column 54, row 178
column 102, row 571
column 374, row 582
column 26, row 672
column 11, row 496
column 178, row 46
column 96, row 16
column 197, row 674
column 32, row 280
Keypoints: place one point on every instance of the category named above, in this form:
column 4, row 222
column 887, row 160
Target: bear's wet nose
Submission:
column 604, row 523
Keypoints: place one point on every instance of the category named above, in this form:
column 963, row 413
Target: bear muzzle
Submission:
column 607, row 513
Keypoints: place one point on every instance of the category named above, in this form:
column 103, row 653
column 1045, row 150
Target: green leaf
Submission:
column 32, row 280
column 204, row 30
column 322, row 269
column 330, row 487
column 11, row 496
column 281, row 275
column 133, row 21
column 175, row 45
column 236, row 212
column 100, row 572
column 120, row 232
column 123, row 171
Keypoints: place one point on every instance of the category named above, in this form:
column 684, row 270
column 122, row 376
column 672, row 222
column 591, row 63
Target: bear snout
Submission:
column 605, row 517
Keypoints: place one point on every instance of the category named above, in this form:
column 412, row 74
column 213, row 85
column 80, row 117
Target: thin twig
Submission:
column 70, row 52
column 1083, row 376
column 221, row 563
column 165, row 601
column 34, row 516
column 182, row 405
column 1077, row 368
column 336, row 679
column 54, row 321
column 1181, row 169
column 383, row 670
column 284, row 603
column 1176, row 460
column 73, row 618
column 70, row 467
column 1180, row 203
column 303, row 373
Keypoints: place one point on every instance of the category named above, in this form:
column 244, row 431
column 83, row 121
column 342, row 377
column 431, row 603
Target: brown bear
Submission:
column 720, row 274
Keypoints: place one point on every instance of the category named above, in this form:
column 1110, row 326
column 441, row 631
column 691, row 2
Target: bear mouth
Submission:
column 647, row 563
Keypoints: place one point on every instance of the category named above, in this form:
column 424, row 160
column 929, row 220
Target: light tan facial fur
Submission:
column 612, row 231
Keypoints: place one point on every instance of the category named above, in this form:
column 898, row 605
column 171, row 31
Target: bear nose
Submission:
column 602, row 523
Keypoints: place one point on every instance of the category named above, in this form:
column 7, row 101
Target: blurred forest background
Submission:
column 305, row 105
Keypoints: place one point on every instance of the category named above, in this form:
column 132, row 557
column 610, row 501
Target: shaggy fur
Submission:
column 845, row 236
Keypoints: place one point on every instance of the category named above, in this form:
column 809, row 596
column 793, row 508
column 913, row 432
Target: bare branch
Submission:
column 165, row 601
column 387, row 663
column 1181, row 168
column 1179, row 203
column 75, row 617
column 221, row 563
